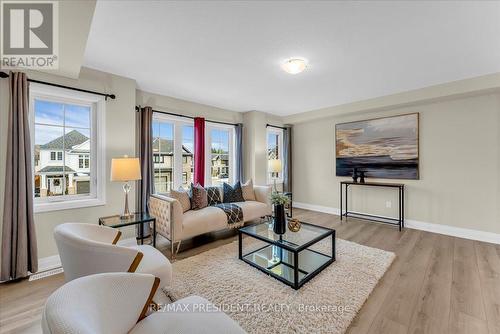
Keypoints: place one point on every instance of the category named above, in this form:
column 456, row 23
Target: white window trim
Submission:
column 178, row 123
column 208, row 150
column 97, row 197
column 279, row 132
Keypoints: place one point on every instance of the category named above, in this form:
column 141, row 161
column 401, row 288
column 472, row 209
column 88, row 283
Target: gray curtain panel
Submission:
column 146, row 184
column 19, row 249
column 239, row 152
column 287, row 159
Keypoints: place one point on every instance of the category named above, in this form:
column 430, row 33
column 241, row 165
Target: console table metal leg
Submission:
column 341, row 201
column 346, row 208
column 399, row 208
column 403, row 206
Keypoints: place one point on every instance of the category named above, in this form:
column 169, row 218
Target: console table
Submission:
column 400, row 221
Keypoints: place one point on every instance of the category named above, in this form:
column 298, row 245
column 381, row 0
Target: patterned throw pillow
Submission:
column 183, row 198
column 199, row 199
column 213, row 195
column 232, row 194
column 247, row 190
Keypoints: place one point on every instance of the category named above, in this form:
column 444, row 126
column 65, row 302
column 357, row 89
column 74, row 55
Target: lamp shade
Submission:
column 274, row 166
column 125, row 169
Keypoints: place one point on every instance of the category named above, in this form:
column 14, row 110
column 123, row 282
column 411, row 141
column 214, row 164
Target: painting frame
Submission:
column 380, row 175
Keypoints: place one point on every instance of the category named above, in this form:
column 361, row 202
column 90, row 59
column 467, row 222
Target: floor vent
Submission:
column 46, row 273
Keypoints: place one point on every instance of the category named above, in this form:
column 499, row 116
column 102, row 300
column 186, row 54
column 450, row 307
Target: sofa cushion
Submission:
column 183, row 198
column 232, row 194
column 253, row 210
column 247, row 190
column 213, row 195
column 196, row 222
column 199, row 198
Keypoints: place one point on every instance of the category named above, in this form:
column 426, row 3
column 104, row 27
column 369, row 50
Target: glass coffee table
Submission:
column 288, row 257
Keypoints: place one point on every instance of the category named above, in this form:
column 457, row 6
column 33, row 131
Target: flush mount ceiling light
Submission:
column 294, row 65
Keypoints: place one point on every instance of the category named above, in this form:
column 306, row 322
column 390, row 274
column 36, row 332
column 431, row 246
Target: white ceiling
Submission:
column 228, row 54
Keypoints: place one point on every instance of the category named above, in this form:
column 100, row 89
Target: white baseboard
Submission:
column 49, row 263
column 453, row 231
column 318, row 208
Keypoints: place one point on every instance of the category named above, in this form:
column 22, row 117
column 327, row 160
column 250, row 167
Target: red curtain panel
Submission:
column 199, row 151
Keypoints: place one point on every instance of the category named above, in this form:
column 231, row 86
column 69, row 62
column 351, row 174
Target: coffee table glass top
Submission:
column 307, row 235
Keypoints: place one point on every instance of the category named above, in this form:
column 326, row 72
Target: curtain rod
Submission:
column 185, row 116
column 275, row 126
column 4, row 75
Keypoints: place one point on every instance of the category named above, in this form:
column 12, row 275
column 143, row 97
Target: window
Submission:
column 187, row 155
column 220, row 155
column 163, row 155
column 68, row 162
column 173, row 139
column 83, row 161
column 274, row 151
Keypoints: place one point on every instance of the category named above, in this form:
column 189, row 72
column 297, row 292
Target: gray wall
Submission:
column 459, row 165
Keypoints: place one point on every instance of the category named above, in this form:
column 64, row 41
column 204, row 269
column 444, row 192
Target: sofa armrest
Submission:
column 168, row 213
column 263, row 194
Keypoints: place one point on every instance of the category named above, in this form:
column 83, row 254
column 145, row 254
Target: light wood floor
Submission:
column 437, row 284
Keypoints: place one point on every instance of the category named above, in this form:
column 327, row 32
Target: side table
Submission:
column 137, row 218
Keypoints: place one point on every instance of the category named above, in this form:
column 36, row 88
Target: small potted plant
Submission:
column 279, row 201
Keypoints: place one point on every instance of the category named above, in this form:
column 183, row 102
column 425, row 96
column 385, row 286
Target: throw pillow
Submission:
column 183, row 198
column 232, row 194
column 247, row 190
column 199, row 199
column 213, row 195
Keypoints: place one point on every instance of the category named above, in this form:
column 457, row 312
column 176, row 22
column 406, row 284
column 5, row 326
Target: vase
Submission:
column 279, row 219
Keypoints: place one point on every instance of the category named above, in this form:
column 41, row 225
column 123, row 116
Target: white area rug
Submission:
column 261, row 304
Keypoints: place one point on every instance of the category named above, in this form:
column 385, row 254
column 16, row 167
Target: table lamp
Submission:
column 123, row 170
column 274, row 166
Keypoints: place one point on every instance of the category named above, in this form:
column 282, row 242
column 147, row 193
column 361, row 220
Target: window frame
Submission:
column 279, row 132
column 178, row 123
column 97, row 166
column 208, row 151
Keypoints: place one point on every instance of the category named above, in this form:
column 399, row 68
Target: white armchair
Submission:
column 87, row 249
column 117, row 303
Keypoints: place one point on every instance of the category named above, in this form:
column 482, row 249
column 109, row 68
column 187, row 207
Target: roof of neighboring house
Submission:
column 167, row 146
column 69, row 140
column 56, row 169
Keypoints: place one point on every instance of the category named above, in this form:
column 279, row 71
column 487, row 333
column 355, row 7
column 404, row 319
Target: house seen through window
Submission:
column 173, row 153
column 62, row 148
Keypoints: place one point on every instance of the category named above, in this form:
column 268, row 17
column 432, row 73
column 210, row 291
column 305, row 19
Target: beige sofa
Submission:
column 176, row 226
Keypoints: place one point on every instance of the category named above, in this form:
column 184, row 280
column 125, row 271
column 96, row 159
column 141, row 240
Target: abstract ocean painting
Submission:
column 383, row 147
